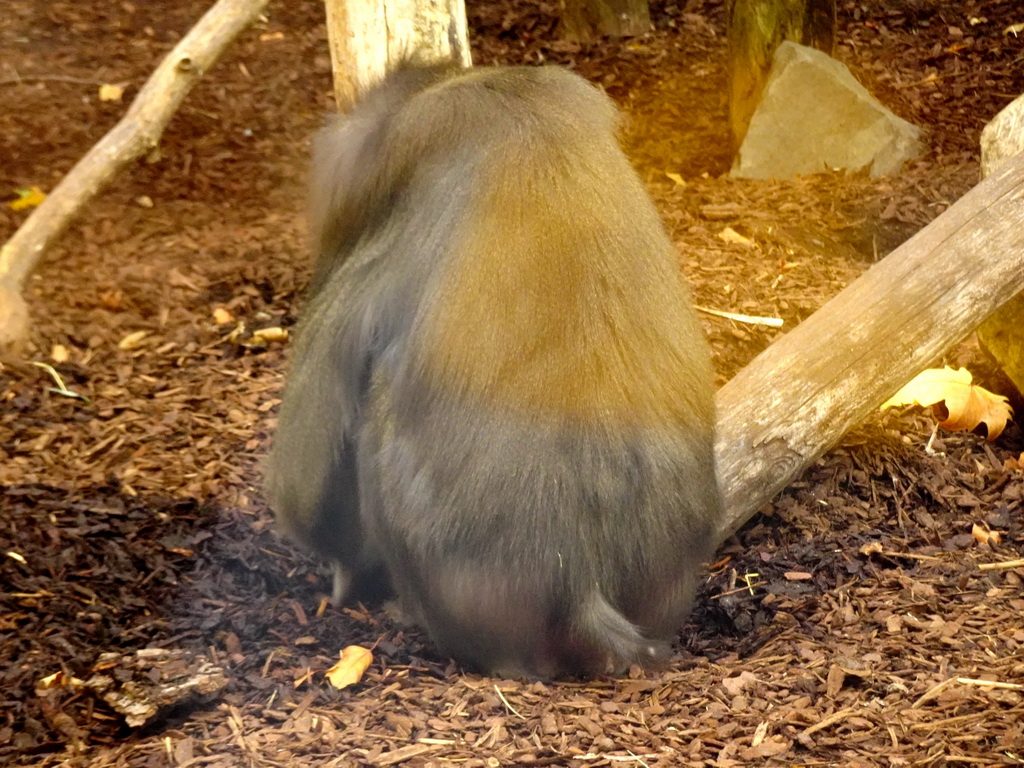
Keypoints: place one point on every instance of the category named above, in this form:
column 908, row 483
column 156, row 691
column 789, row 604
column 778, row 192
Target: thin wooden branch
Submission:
column 137, row 133
column 801, row 395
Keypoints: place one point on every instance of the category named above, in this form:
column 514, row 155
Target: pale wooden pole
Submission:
column 367, row 37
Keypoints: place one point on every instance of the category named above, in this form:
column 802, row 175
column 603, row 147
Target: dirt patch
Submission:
column 850, row 624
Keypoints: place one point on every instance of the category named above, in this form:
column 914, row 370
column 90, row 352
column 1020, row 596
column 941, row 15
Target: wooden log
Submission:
column 136, row 134
column 801, row 395
column 366, row 37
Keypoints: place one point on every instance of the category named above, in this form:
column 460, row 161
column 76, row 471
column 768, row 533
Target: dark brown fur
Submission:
column 500, row 393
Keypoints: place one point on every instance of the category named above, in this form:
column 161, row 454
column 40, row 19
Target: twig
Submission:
column 990, row 684
column 939, row 688
column 18, row 79
column 60, row 389
column 831, row 720
column 1006, row 564
column 630, row 758
column 910, row 556
column 507, row 705
column 771, row 322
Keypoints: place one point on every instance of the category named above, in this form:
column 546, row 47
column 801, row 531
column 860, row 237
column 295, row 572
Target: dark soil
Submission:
column 852, row 624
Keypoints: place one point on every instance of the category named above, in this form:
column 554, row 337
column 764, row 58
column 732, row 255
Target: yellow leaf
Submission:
column 111, row 92
column 57, row 680
column 676, row 178
column 350, row 667
column 268, row 335
column 27, row 198
column 730, row 235
column 968, row 405
column 221, row 316
column 983, row 535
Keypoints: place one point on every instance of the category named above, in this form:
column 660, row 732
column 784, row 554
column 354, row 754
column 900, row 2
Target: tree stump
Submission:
column 755, row 29
column 585, row 21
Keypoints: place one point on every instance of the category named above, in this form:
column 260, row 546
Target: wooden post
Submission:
column 368, row 36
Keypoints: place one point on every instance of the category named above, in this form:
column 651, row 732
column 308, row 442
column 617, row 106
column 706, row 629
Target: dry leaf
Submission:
column 984, row 536
column 27, row 198
column 110, row 92
column 770, row 747
column 178, row 280
column 967, row 404
column 222, row 317
column 57, row 680
column 17, row 556
column 268, row 335
column 1017, row 464
column 871, row 548
column 132, row 340
column 730, row 235
column 350, row 667
column 834, row 681
column 734, row 686
column 112, row 299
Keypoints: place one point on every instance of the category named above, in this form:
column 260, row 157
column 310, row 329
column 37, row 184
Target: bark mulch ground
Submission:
column 871, row 616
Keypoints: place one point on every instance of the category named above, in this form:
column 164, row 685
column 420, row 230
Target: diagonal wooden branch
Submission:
column 800, row 396
column 136, row 133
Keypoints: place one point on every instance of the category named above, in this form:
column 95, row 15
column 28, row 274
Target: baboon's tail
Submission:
column 618, row 639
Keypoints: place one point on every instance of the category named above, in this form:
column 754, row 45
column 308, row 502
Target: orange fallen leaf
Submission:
column 967, row 405
column 222, row 316
column 730, row 235
column 268, row 335
column 983, row 535
column 111, row 92
column 27, row 198
column 57, row 680
column 350, row 667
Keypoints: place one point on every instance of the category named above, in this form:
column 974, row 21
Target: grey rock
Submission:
column 814, row 116
column 1003, row 137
